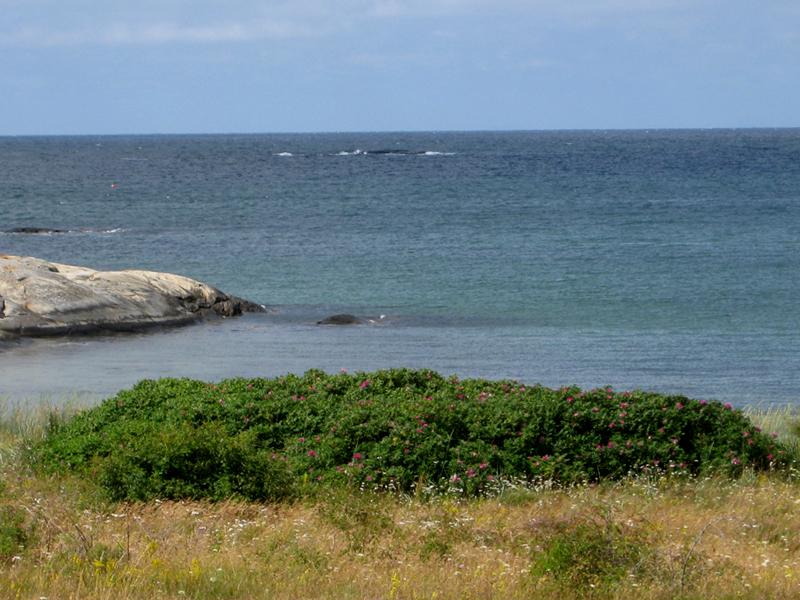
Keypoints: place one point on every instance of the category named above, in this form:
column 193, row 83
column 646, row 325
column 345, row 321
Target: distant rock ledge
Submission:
column 41, row 298
column 343, row 319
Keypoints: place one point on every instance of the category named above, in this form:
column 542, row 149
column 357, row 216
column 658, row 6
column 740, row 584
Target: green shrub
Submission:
column 361, row 516
column 591, row 554
column 13, row 533
column 185, row 461
column 396, row 429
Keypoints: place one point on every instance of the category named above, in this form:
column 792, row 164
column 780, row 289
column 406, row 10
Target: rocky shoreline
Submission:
column 42, row 298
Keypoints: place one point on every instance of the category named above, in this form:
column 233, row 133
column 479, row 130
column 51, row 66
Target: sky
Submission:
column 246, row 66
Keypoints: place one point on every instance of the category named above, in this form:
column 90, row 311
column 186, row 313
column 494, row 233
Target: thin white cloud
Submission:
column 150, row 22
column 168, row 32
column 584, row 8
column 161, row 33
column 117, row 34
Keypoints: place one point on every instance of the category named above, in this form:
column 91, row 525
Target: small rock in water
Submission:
column 35, row 230
column 343, row 319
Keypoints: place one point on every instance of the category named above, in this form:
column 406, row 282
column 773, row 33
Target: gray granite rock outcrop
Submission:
column 41, row 298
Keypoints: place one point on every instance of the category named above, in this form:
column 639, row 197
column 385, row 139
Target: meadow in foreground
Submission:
column 722, row 532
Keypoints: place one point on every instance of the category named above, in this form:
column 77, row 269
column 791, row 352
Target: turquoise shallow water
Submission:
column 664, row 260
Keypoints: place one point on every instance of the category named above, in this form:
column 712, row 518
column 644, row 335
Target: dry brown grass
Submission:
column 699, row 539
column 650, row 538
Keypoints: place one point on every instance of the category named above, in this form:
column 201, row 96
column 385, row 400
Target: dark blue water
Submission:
column 664, row 260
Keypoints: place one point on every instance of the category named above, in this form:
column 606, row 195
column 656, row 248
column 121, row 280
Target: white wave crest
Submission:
column 284, row 154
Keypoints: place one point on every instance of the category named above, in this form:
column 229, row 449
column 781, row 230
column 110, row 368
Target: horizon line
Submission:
column 401, row 131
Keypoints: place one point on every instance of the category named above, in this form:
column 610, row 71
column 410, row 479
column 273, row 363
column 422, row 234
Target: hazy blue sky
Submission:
column 164, row 66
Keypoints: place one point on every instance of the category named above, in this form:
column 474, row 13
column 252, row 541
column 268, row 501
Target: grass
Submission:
column 652, row 536
column 646, row 539
column 29, row 420
column 783, row 420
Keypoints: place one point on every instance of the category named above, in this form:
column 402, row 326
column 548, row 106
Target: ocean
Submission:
column 662, row 260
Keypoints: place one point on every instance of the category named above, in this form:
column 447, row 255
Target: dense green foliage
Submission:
column 13, row 532
column 396, row 429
